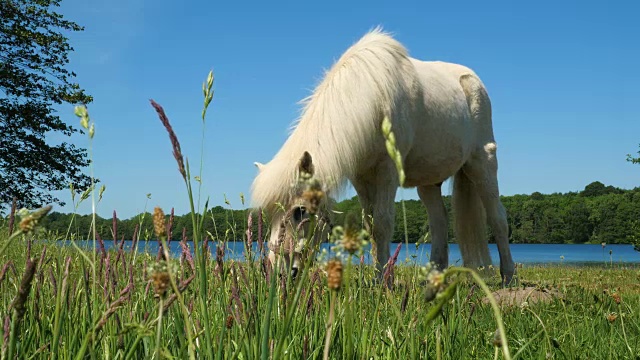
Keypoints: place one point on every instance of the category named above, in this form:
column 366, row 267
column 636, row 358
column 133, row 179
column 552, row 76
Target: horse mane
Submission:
column 341, row 119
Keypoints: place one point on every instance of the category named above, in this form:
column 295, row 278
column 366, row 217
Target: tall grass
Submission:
column 60, row 302
column 254, row 312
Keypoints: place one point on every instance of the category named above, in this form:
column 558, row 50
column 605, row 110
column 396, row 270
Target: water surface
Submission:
column 569, row 254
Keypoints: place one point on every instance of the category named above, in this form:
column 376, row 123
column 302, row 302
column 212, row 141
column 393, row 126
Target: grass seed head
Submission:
column 29, row 220
column 310, row 191
column 334, row 274
column 159, row 223
column 160, row 278
column 435, row 281
column 350, row 241
column 177, row 151
column 312, row 198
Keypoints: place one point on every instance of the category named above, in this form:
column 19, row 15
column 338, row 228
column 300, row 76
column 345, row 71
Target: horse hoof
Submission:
column 508, row 280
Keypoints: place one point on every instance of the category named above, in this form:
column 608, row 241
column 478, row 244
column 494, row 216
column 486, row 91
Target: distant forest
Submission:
column 596, row 214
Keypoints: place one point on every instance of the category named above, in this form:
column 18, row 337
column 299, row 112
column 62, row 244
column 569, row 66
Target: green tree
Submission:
column 597, row 188
column 576, row 217
column 33, row 78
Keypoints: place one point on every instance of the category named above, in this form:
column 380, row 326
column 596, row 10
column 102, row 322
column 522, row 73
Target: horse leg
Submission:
column 470, row 221
column 485, row 176
column 431, row 197
column 366, row 192
column 377, row 197
column 367, row 197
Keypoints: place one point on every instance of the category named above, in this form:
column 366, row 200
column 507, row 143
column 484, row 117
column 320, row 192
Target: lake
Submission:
column 569, row 254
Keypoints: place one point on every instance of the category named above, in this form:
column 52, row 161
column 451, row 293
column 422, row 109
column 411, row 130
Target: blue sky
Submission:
column 562, row 77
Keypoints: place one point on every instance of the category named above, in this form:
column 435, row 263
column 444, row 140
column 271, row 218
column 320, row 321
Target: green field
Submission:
column 69, row 309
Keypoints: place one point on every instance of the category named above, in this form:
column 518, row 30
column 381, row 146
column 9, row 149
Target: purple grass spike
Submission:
column 114, row 226
column 260, row 242
column 177, row 152
column 389, row 272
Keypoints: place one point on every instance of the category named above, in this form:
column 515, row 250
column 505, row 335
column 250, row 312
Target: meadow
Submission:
column 55, row 305
column 63, row 302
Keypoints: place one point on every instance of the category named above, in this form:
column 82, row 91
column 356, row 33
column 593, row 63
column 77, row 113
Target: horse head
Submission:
column 300, row 223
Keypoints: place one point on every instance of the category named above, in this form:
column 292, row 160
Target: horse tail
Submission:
column 470, row 222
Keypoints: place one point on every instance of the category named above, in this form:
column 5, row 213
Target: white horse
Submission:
column 441, row 117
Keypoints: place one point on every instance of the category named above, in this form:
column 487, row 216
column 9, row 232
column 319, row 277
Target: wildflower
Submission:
column 334, row 274
column 159, row 222
column 612, row 317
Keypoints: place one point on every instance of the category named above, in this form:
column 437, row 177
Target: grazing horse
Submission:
column 441, row 119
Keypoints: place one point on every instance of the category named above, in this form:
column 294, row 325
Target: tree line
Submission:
column 596, row 214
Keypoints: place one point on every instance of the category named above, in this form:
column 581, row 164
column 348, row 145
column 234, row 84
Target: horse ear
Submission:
column 260, row 166
column 306, row 163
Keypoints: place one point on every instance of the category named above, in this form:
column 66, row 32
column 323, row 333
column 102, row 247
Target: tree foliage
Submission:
column 633, row 160
column 33, row 79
